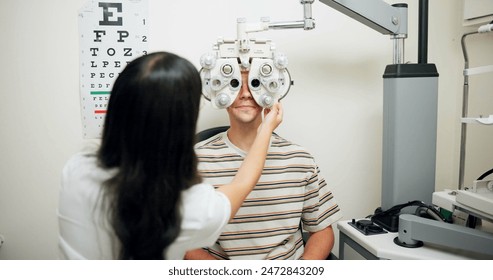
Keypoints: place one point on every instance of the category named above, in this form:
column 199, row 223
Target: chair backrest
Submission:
column 208, row 133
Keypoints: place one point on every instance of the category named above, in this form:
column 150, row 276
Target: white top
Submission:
column 85, row 233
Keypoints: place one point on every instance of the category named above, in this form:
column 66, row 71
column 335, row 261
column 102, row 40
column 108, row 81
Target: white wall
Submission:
column 334, row 109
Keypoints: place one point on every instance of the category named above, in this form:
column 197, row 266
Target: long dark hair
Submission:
column 148, row 137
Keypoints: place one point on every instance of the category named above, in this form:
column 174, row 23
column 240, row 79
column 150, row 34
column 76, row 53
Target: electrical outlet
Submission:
column 2, row 240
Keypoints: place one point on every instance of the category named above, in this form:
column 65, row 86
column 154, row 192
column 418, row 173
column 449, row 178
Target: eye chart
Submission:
column 111, row 34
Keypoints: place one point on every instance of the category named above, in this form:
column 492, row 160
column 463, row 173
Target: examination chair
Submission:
column 207, row 133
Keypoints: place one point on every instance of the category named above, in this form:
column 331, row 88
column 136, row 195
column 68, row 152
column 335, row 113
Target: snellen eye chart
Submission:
column 111, row 34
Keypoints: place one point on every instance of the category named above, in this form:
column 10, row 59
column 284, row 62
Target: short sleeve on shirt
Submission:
column 205, row 213
column 321, row 210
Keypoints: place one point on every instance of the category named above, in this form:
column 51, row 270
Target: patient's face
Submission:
column 244, row 109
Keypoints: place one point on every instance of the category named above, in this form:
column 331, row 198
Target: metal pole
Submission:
column 423, row 32
column 465, row 98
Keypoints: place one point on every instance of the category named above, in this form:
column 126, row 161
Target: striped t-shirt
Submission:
column 289, row 190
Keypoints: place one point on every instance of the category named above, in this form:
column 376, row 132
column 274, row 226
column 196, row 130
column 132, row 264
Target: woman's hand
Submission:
column 272, row 117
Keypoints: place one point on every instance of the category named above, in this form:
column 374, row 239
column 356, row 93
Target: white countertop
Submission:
column 383, row 247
